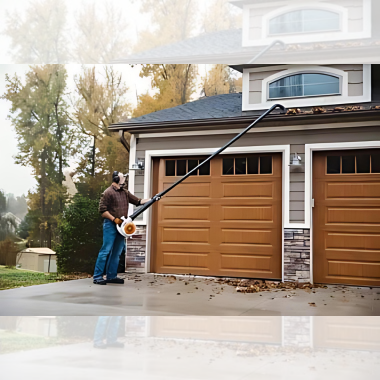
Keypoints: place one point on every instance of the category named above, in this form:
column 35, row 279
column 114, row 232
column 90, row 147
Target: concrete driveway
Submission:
column 148, row 294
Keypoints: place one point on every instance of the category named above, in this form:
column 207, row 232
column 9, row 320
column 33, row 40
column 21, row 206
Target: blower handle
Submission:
column 140, row 210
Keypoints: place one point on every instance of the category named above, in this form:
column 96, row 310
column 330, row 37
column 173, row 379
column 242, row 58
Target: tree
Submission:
column 220, row 80
column 98, row 104
column 171, row 21
column 39, row 116
column 221, row 15
column 175, row 83
column 102, row 33
column 17, row 205
column 6, row 222
column 38, row 32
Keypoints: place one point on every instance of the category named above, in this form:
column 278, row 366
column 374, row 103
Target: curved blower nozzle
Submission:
column 127, row 228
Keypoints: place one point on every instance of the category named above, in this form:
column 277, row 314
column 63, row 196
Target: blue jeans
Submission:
column 107, row 328
column 109, row 254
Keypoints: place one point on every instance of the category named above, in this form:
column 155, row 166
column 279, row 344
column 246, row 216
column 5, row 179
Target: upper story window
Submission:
column 305, row 21
column 305, row 84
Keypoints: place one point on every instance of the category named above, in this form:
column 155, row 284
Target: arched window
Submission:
column 305, row 21
column 305, row 84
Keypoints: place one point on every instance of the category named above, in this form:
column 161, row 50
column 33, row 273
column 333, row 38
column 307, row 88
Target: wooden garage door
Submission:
column 224, row 221
column 346, row 217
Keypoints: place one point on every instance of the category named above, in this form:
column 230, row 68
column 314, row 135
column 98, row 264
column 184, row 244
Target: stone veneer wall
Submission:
column 297, row 331
column 297, row 255
column 136, row 248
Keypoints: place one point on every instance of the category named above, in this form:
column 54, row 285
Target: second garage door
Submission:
column 346, row 217
column 224, row 221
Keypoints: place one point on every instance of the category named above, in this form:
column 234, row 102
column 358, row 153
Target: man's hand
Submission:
column 118, row 221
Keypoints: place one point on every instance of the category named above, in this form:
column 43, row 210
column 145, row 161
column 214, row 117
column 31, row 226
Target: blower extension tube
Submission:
column 128, row 228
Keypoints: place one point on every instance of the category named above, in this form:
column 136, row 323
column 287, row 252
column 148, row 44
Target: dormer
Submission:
column 296, row 21
column 305, row 85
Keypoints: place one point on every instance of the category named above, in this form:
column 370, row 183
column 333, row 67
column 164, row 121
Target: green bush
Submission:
column 80, row 236
column 8, row 252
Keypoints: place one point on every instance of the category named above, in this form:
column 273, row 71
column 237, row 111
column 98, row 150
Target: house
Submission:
column 295, row 199
column 282, row 31
column 38, row 260
column 16, row 220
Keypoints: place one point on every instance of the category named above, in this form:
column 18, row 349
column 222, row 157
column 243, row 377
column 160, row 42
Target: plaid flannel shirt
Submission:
column 116, row 201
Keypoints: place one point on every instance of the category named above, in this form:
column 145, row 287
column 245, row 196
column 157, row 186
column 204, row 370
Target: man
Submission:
column 113, row 205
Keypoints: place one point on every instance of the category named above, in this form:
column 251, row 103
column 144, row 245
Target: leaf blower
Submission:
column 128, row 228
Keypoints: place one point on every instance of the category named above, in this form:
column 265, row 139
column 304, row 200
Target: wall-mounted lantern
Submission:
column 139, row 165
column 296, row 162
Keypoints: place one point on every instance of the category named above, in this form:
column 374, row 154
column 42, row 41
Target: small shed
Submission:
column 37, row 259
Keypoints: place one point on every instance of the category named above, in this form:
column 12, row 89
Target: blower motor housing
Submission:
column 127, row 228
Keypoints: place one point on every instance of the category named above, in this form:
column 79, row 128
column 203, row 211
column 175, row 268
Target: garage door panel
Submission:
column 353, row 215
column 353, row 190
column 350, row 241
column 250, row 213
column 186, row 260
column 227, row 225
column 247, row 237
column 247, row 263
column 248, row 190
column 185, row 235
column 193, row 190
column 354, row 270
column 185, row 212
column 346, row 225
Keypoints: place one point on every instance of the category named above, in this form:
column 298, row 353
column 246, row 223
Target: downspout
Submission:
column 123, row 140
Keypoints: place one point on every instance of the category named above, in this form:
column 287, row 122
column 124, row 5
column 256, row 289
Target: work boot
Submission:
column 116, row 280
column 100, row 282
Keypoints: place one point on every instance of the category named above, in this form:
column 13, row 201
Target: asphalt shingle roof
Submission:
column 218, row 106
column 205, row 44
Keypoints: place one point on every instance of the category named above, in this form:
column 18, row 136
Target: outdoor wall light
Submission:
column 139, row 165
column 295, row 159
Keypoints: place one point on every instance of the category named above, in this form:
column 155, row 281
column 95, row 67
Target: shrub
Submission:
column 8, row 253
column 80, row 236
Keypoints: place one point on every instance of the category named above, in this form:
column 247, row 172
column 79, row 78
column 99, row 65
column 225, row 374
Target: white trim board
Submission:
column 260, row 129
column 309, row 149
column 148, row 182
column 305, row 101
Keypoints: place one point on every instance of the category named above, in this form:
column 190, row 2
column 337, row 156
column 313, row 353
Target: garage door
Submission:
column 346, row 217
column 224, row 221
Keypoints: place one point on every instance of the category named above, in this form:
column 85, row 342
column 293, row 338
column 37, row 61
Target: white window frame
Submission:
column 307, row 96
column 309, row 37
column 309, row 101
column 148, row 183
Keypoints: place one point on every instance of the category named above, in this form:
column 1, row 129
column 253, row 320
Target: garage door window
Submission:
column 247, row 165
column 180, row 167
column 353, row 164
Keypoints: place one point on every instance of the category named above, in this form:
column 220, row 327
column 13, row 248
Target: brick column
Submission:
column 297, row 331
column 297, row 255
column 136, row 249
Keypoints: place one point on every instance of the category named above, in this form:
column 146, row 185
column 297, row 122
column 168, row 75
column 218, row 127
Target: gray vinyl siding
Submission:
column 355, row 81
column 354, row 8
column 296, row 140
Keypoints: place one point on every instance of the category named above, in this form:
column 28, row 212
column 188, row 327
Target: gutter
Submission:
column 232, row 122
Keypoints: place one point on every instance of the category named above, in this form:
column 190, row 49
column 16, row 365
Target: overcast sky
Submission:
column 17, row 179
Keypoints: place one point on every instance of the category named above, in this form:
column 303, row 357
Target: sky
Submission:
column 19, row 180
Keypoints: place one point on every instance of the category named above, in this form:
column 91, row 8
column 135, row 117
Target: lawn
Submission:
column 14, row 278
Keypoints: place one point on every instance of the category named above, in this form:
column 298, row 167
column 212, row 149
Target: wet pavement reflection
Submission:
column 180, row 347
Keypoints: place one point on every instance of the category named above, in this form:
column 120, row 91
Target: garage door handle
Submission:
column 140, row 210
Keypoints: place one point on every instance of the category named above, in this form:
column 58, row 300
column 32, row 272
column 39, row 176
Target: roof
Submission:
column 224, row 111
column 225, row 46
column 40, row 251
column 208, row 107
